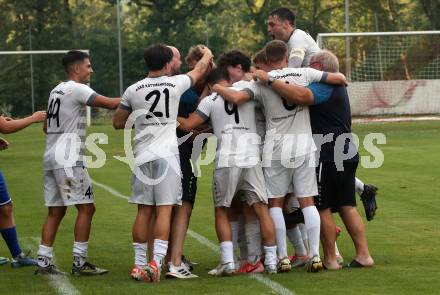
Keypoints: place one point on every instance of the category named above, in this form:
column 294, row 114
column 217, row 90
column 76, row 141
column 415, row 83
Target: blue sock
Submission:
column 10, row 237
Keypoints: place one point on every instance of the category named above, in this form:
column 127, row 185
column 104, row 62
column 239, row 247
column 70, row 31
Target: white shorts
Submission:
column 300, row 180
column 158, row 183
column 231, row 181
column 67, row 186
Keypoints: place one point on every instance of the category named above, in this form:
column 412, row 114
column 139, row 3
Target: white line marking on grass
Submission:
column 204, row 241
column 277, row 288
column 274, row 286
column 60, row 283
column 110, row 190
column 271, row 284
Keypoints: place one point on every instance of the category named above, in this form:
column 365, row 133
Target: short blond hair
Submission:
column 194, row 54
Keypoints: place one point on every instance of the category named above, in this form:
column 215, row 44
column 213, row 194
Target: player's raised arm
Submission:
column 106, row 102
column 231, row 95
column 202, row 66
column 187, row 124
column 11, row 126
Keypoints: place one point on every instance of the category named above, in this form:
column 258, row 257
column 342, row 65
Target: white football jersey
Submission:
column 259, row 115
column 234, row 127
column 301, row 44
column 155, row 101
column 284, row 118
column 66, row 125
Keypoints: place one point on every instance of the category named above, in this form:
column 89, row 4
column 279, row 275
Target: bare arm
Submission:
column 296, row 94
column 11, row 126
column 293, row 93
column 188, row 124
column 120, row 118
column 335, row 79
column 202, row 66
column 106, row 102
column 231, row 95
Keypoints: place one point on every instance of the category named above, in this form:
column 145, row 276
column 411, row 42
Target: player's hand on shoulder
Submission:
column 39, row 116
column 3, row 144
column 215, row 88
column 260, row 75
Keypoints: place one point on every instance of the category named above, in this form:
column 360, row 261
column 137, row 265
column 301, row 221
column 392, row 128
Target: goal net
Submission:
column 389, row 73
column 27, row 79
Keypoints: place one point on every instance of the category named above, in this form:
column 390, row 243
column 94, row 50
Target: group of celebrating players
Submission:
column 274, row 177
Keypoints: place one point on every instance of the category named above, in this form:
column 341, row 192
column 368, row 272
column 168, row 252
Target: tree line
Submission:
column 222, row 25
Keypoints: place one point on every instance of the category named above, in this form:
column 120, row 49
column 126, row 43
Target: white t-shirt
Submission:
column 155, row 101
column 234, row 127
column 66, row 125
column 287, row 125
column 301, row 45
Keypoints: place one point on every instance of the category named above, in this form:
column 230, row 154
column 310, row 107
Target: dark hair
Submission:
column 234, row 58
column 156, row 56
column 217, row 75
column 73, row 56
column 284, row 13
column 260, row 57
column 275, row 50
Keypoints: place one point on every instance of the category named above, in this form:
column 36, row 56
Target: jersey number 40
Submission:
column 53, row 111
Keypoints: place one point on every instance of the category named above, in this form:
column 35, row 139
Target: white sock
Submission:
column 227, row 252
column 359, row 186
column 80, row 253
column 270, row 255
column 45, row 255
column 242, row 244
column 140, row 254
column 304, row 235
column 337, row 250
column 159, row 251
column 280, row 231
column 313, row 226
column 295, row 237
column 253, row 241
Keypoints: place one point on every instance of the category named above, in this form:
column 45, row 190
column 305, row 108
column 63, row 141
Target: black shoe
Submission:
column 368, row 198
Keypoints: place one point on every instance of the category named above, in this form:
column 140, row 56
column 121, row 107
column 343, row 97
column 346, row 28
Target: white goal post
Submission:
column 390, row 73
column 35, row 52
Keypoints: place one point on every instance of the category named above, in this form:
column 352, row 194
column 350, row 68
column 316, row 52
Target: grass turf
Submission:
column 404, row 238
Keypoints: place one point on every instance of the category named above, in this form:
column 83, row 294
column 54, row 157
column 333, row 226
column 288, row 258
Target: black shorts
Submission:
column 336, row 188
column 189, row 180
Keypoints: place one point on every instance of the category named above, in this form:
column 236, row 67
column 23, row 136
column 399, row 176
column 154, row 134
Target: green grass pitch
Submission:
column 404, row 237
